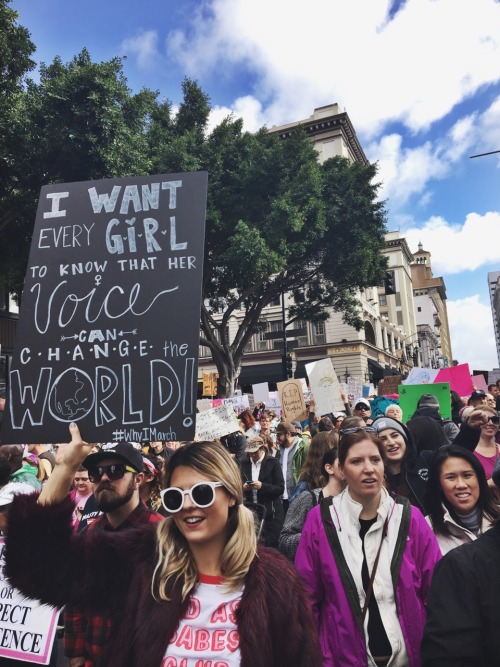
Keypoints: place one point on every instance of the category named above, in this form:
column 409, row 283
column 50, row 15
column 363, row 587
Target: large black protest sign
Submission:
column 110, row 317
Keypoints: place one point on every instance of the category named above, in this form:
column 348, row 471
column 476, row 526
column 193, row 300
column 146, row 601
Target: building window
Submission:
column 382, row 299
column 369, row 333
column 319, row 335
column 277, row 342
column 276, row 301
column 301, row 340
column 399, row 317
column 260, row 338
column 419, row 309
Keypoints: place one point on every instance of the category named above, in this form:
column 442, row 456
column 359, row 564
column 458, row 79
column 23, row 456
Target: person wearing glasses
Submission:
column 192, row 589
column 362, row 408
column 116, row 473
column 487, row 450
column 367, row 559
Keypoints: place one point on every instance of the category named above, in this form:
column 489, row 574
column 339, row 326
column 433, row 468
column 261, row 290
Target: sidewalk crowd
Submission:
column 347, row 539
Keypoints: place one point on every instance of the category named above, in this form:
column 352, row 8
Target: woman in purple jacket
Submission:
column 367, row 559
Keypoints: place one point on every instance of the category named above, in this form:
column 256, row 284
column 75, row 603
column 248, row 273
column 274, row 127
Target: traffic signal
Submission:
column 287, row 363
column 390, row 283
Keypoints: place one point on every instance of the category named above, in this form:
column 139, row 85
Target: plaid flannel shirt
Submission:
column 87, row 636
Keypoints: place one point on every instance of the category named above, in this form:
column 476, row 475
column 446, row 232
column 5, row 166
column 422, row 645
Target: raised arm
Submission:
column 47, row 561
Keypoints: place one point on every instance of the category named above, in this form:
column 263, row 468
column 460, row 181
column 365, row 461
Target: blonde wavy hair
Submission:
column 174, row 558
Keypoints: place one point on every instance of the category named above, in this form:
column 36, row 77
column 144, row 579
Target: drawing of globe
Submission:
column 72, row 396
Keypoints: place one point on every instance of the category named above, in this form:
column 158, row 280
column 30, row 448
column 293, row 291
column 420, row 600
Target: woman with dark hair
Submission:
column 304, row 502
column 367, row 559
column 192, row 589
column 456, row 406
column 325, row 424
column 263, row 483
column 427, row 433
column 311, row 475
column 458, row 501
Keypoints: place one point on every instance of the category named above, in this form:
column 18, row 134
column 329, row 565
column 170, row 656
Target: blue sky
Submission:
column 420, row 80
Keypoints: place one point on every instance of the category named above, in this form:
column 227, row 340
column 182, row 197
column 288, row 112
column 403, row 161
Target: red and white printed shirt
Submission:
column 207, row 635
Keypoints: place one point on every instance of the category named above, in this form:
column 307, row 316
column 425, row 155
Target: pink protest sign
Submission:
column 458, row 377
column 479, row 382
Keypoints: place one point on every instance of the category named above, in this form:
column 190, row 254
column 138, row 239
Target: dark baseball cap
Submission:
column 478, row 393
column 124, row 451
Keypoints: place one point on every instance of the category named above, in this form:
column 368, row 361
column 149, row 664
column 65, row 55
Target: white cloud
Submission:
column 414, row 68
column 247, row 108
column 405, row 171
column 457, row 248
column 144, row 46
column 472, row 337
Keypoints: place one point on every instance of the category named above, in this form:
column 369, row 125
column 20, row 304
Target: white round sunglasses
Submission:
column 202, row 495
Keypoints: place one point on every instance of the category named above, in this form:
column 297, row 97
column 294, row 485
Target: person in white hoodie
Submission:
column 459, row 504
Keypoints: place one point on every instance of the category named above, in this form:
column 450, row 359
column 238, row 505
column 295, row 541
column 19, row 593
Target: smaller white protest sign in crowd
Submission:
column 27, row 628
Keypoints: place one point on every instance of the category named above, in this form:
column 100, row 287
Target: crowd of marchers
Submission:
column 357, row 537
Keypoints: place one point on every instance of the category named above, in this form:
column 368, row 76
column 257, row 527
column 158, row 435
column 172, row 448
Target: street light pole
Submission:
column 483, row 154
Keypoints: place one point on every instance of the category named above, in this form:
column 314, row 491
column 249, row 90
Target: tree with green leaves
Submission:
column 280, row 222
column 277, row 220
column 80, row 122
column 16, row 49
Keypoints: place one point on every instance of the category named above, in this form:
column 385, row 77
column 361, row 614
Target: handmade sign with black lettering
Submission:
column 110, row 317
column 27, row 628
column 216, row 422
column 292, row 400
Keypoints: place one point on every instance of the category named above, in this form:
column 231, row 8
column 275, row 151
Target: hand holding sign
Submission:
column 74, row 453
column 69, row 458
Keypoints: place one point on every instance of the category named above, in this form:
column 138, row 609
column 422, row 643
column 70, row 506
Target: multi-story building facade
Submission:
column 494, row 290
column 385, row 345
column 398, row 310
column 431, row 314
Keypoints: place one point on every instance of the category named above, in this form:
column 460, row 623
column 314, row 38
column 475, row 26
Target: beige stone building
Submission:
column 431, row 314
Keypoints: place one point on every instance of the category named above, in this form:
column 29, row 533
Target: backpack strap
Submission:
column 404, row 527
column 342, row 567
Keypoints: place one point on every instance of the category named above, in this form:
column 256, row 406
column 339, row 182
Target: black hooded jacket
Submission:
column 449, row 427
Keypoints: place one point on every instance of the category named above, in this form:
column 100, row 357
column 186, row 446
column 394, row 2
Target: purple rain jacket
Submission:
column 333, row 593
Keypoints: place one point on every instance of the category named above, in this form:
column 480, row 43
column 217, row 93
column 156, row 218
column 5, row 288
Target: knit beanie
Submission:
column 428, row 401
column 383, row 423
